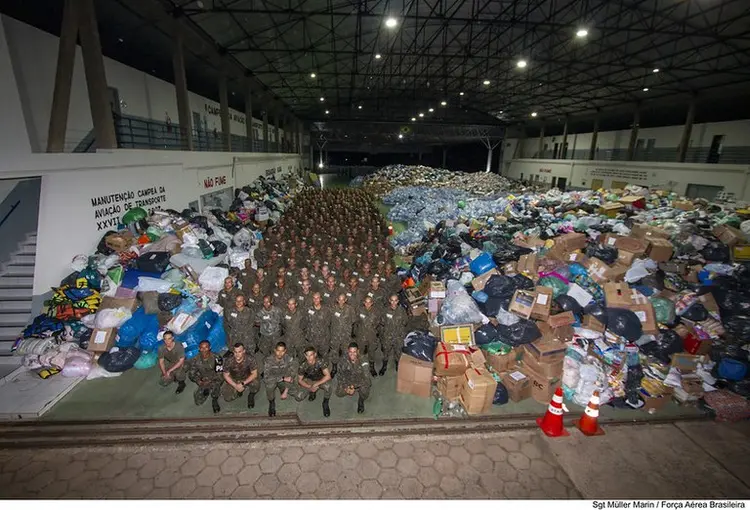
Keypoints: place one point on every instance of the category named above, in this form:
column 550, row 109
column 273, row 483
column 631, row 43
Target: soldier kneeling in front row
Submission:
column 205, row 371
column 240, row 375
column 354, row 377
column 278, row 373
column 313, row 375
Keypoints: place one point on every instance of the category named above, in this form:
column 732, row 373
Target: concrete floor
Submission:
column 682, row 460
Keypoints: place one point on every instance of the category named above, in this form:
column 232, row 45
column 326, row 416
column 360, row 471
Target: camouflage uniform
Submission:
column 270, row 328
column 246, row 279
column 206, row 373
column 342, row 320
column 311, row 374
column 240, row 328
column 280, row 296
column 356, row 296
column 171, row 358
column 366, row 330
column 355, row 374
column 304, row 299
column 379, row 297
column 238, row 372
column 319, row 329
column 274, row 371
column 226, row 298
column 392, row 332
column 293, row 327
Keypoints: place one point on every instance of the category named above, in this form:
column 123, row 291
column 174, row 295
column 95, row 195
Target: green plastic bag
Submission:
column 663, row 310
column 133, row 215
column 498, row 348
column 154, row 233
column 146, row 360
column 558, row 286
column 116, row 274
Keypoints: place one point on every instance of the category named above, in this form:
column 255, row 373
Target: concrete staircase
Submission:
column 16, row 292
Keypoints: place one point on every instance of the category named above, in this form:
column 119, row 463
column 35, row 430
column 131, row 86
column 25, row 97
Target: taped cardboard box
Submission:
column 633, row 245
column 637, row 202
column 618, row 295
column 729, row 235
column 611, row 209
column 102, row 340
column 437, row 290
column 661, row 250
column 687, row 363
column 571, row 242
column 656, row 402
column 609, row 240
column 115, row 302
column 561, row 319
column 500, row 363
column 590, row 322
column 547, row 368
column 480, row 281
column 449, row 387
column 414, row 376
column 546, row 349
column 522, row 303
column 478, row 391
column 542, row 387
column 647, row 232
column 510, row 268
column 645, row 314
column 597, row 269
column 683, row 205
column 542, row 303
column 451, row 360
column 518, row 385
column 625, row 257
column 528, row 264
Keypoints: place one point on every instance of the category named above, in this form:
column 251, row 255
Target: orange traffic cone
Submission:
column 552, row 423
column 589, row 422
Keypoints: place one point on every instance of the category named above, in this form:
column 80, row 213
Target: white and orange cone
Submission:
column 552, row 423
column 589, row 422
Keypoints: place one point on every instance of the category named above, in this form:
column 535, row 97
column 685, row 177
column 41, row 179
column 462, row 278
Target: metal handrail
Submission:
column 7, row 215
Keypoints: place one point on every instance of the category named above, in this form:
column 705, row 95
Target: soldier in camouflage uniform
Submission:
column 263, row 280
column 171, row 357
column 355, row 293
column 377, row 292
column 279, row 370
column 319, row 326
column 331, row 290
column 354, row 377
column 227, row 294
column 313, row 375
column 305, row 294
column 239, row 325
column 205, row 371
column 240, row 375
column 392, row 332
column 268, row 319
column 342, row 320
column 281, row 291
column 247, row 277
column 254, row 298
column 366, row 330
column 293, row 328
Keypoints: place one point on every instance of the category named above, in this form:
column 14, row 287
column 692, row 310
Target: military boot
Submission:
column 334, row 370
column 250, row 400
column 372, row 370
column 272, row 408
column 326, row 409
column 180, row 387
column 360, row 406
column 215, row 405
column 312, row 396
column 385, row 367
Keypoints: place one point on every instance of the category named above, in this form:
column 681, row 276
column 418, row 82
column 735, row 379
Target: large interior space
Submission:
column 402, row 249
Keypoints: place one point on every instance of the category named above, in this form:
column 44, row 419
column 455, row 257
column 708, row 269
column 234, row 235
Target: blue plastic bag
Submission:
column 146, row 360
column 482, row 264
column 198, row 331
column 217, row 337
column 140, row 328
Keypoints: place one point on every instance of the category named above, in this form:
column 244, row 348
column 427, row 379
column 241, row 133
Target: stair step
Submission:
column 15, row 293
column 16, row 282
column 10, row 332
column 27, row 249
column 5, row 347
column 14, row 319
column 24, row 259
column 18, row 306
column 14, row 270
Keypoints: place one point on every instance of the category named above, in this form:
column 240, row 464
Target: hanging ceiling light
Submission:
column 421, row 114
column 443, row 103
column 378, row 56
column 327, row 112
column 656, row 70
column 359, row 107
column 645, row 89
column 312, row 75
column 486, row 82
column 460, row 93
column 533, row 114
column 322, row 99
column 391, row 22
column 431, row 110
column 582, row 32
column 400, row 136
column 413, row 119
column 521, row 64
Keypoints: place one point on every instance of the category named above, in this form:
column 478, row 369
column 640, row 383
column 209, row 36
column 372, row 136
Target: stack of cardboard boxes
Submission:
column 103, row 339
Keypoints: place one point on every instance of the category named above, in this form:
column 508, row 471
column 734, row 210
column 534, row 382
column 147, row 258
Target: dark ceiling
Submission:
column 440, row 49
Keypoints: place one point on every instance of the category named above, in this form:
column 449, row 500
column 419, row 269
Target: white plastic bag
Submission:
column 640, row 269
column 237, row 258
column 97, row 372
column 587, row 383
column 212, row 278
column 466, row 278
column 459, row 307
column 79, row 262
column 146, row 284
column 76, row 367
column 112, row 317
column 181, row 323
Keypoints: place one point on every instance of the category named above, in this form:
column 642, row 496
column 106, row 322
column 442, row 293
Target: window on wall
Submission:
column 221, row 199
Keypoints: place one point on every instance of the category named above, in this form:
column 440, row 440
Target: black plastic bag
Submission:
column 420, row 344
column 655, row 281
column 219, row 247
column 439, row 269
column 169, row 301
column 486, row 334
column 522, row 282
column 119, row 361
column 624, row 323
column 500, row 286
column 522, row 332
column 697, row 312
column 597, row 311
column 738, row 326
column 667, row 343
column 501, row 395
column 70, row 280
column 493, row 305
column 568, row 304
column 716, row 252
column 606, row 254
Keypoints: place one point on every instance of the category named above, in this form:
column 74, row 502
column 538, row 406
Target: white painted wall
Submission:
column 69, row 223
column 676, row 176
column 14, row 136
column 141, row 94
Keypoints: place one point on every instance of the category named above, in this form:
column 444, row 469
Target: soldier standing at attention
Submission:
column 354, row 377
column 269, row 319
column 392, row 332
column 319, row 326
column 227, row 294
column 240, row 375
column 314, row 375
column 172, row 362
column 278, row 372
column 342, row 320
column 239, row 325
column 202, row 370
column 366, row 330
column 293, row 328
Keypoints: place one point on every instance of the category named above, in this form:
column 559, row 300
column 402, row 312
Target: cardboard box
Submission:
column 687, row 363
column 634, row 201
column 414, row 297
column 561, row 319
column 609, row 240
column 542, row 387
column 692, row 384
column 571, row 242
column 522, row 303
column 683, row 205
column 589, row 322
column 414, row 376
column 692, row 273
column 661, row 250
column 617, row 295
column 576, row 256
column 709, row 302
column 480, row 281
column 546, row 349
column 437, row 290
column 451, row 360
column 528, row 264
column 645, row 314
column 458, row 334
column 647, row 232
column 741, row 253
column 631, row 244
column 478, row 391
column 500, row 362
column 656, row 402
column 545, row 367
column 450, row 387
column 542, row 303
column 729, row 235
column 102, row 340
column 617, row 272
column 597, row 269
column 114, row 302
column 510, row 269
column 476, row 358
column 625, row 257
column 518, row 385
column 610, row 209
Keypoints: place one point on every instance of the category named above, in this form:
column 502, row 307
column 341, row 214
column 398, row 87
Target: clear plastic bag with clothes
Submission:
column 588, row 378
column 459, row 307
column 212, row 278
column 112, row 317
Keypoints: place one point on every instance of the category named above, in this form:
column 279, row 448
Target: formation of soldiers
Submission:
column 322, row 300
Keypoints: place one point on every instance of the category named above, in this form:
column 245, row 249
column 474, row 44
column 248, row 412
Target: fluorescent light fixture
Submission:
column 582, row 32
column 431, row 110
column 400, row 136
column 486, row 82
column 460, row 93
column 312, row 75
column 421, row 114
column 378, row 56
column 413, row 119
column 656, row 70
column 359, row 107
column 521, row 64
column 327, row 112
column 322, row 99
column 533, row 114
column 645, row 89
column 320, row 165
column 443, row 103
column 391, row 22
